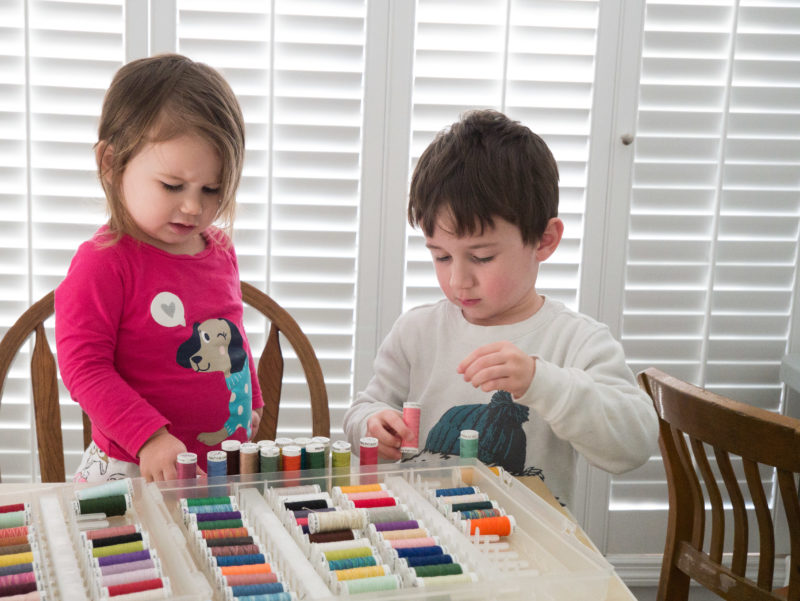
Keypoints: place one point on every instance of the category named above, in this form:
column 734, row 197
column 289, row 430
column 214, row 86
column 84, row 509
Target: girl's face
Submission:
column 171, row 192
column 491, row 277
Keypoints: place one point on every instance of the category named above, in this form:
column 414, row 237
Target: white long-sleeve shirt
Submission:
column 583, row 397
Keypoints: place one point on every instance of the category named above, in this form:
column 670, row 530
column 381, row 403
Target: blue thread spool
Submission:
column 217, row 462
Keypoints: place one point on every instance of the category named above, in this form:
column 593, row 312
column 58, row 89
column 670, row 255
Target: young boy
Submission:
column 540, row 382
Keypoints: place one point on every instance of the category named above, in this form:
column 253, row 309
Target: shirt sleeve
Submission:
column 88, row 308
column 595, row 404
column 388, row 388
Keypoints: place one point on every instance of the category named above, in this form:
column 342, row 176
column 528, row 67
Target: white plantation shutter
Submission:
column 57, row 59
column 710, row 273
column 535, row 62
column 297, row 72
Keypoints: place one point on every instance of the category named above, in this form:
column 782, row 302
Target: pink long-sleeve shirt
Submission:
column 147, row 339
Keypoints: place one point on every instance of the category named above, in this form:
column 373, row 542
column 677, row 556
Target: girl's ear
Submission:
column 550, row 239
column 104, row 154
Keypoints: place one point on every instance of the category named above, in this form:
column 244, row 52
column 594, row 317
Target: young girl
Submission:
column 149, row 326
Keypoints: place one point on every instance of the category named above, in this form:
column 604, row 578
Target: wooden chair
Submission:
column 44, row 379
column 759, row 438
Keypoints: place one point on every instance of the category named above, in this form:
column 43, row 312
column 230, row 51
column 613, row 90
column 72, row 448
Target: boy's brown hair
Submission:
column 482, row 167
column 159, row 98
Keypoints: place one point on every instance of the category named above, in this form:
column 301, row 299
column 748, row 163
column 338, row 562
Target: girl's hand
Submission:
column 255, row 421
column 499, row 366
column 158, row 455
column 390, row 430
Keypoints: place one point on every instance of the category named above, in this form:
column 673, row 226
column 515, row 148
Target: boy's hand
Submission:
column 255, row 421
column 158, row 455
column 390, row 429
column 499, row 366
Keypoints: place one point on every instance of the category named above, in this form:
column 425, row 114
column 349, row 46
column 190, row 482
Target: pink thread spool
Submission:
column 368, row 454
column 187, row 466
column 411, row 413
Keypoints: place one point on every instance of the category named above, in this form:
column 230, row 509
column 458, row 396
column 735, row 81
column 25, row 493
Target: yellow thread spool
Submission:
column 356, row 573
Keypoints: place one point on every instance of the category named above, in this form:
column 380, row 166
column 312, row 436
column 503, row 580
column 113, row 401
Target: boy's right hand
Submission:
column 158, row 455
column 390, row 430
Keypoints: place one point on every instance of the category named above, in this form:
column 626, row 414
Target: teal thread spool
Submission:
column 270, row 459
column 370, row 585
column 468, row 444
column 302, row 442
column 14, row 519
column 113, row 487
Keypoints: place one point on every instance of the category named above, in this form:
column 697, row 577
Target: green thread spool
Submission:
column 442, row 569
column 340, row 454
column 315, row 456
column 340, row 463
column 113, row 487
column 117, row 549
column 336, row 554
column 13, row 519
column 326, row 447
column 219, row 524
column 111, row 505
column 270, row 459
column 370, row 585
column 192, row 502
column 468, row 444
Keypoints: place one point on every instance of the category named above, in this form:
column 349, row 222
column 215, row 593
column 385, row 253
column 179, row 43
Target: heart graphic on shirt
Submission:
column 169, row 309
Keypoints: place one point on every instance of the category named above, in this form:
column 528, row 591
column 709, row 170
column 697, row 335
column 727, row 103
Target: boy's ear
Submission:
column 550, row 239
column 104, row 154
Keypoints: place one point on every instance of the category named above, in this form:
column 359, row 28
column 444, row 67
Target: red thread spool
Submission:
column 368, row 454
column 187, row 466
column 135, row 587
column 12, row 508
column 243, row 579
column 411, row 413
column 379, row 502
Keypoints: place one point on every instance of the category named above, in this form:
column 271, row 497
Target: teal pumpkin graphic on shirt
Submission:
column 502, row 440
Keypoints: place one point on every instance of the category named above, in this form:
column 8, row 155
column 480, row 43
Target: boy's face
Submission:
column 491, row 277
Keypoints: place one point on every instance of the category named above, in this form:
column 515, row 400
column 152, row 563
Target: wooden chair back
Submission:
column 44, row 376
column 691, row 420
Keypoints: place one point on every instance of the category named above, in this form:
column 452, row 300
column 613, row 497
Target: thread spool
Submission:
column 270, row 459
column 186, row 466
column 468, row 444
column 326, row 447
column 265, row 443
column 411, row 416
column 217, row 463
column 302, row 442
column 291, row 457
column 315, row 456
column 248, row 458
column 109, row 506
column 340, row 454
column 112, row 487
column 232, row 448
column 368, row 454
column 501, row 526
column 281, row 442
column 337, row 520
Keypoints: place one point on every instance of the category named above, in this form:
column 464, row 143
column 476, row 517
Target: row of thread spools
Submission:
column 362, row 539
column 281, row 454
column 234, row 556
column 115, row 551
column 21, row 569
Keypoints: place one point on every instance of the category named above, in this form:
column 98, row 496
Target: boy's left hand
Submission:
column 499, row 366
column 255, row 421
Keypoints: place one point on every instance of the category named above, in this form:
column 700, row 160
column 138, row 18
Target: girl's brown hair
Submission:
column 162, row 97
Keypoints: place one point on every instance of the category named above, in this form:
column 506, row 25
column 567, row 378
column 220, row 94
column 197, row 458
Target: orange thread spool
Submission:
column 501, row 526
column 255, row 568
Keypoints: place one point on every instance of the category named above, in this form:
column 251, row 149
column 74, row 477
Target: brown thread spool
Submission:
column 248, row 458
